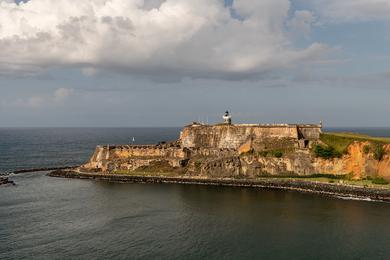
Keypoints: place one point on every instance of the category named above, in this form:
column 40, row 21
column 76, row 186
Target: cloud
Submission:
column 352, row 10
column 89, row 71
column 172, row 38
column 61, row 94
column 37, row 101
column 31, row 102
column 301, row 23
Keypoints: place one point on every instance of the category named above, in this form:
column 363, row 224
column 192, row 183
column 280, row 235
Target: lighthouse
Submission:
column 227, row 119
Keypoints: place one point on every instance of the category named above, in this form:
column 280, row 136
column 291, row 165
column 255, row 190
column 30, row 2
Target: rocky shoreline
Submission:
column 328, row 189
column 5, row 181
column 42, row 169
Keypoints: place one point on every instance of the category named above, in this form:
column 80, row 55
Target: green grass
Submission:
column 359, row 137
column 380, row 181
column 340, row 141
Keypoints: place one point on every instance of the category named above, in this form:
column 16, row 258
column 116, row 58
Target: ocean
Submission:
column 52, row 218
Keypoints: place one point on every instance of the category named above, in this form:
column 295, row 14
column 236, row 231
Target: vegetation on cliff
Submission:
column 337, row 144
column 268, row 153
column 327, row 152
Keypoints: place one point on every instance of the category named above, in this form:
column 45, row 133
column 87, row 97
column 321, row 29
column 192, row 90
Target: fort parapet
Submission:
column 236, row 150
column 233, row 136
column 205, row 141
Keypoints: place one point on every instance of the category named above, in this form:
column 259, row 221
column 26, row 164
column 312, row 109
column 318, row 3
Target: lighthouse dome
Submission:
column 227, row 119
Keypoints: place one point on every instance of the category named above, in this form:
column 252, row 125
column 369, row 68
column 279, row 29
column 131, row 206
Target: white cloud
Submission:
column 352, row 10
column 172, row 38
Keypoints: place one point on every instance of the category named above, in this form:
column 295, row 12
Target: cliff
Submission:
column 249, row 151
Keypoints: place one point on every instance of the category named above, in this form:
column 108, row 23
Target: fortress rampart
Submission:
column 135, row 155
column 237, row 150
column 233, row 136
column 199, row 141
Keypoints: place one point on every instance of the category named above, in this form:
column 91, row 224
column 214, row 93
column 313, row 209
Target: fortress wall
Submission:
column 310, row 132
column 132, row 157
column 125, row 151
column 122, row 152
column 212, row 152
column 232, row 136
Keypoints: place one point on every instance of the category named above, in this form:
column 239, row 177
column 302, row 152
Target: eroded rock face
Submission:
column 356, row 162
column 231, row 151
column 221, row 167
column 126, row 157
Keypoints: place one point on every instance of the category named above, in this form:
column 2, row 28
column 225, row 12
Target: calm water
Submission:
column 22, row 148
column 53, row 218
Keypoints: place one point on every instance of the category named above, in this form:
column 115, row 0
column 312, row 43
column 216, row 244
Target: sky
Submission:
column 170, row 62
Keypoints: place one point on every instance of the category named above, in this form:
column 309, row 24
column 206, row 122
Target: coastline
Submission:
column 43, row 169
column 327, row 189
column 6, row 181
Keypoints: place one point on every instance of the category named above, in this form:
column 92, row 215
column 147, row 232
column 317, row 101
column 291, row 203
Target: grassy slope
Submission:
column 340, row 141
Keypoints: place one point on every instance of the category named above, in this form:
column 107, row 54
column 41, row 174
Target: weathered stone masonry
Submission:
column 216, row 143
column 233, row 136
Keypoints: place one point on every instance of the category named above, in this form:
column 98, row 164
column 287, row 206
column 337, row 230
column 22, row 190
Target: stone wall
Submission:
column 126, row 151
column 233, row 136
column 231, row 150
column 309, row 132
column 133, row 156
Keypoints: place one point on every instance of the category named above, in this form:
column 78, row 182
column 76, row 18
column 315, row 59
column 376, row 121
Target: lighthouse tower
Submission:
column 227, row 119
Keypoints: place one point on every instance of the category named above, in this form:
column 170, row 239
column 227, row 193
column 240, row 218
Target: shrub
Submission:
column 263, row 153
column 366, row 149
column 198, row 164
column 349, row 176
column 380, row 181
column 326, row 152
column 278, row 154
column 379, row 152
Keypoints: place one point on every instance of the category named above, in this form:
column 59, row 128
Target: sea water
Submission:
column 53, row 218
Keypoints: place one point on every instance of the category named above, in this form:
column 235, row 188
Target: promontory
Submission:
column 265, row 155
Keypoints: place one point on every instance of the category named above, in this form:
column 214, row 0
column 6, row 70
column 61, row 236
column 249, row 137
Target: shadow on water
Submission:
column 200, row 221
column 50, row 217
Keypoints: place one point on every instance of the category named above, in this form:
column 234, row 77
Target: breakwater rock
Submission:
column 328, row 189
column 5, row 181
column 42, row 169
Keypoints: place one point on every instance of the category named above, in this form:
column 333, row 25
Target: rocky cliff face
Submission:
column 356, row 162
column 232, row 163
column 256, row 152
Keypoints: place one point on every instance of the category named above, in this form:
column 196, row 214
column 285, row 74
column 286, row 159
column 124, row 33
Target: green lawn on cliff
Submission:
column 340, row 141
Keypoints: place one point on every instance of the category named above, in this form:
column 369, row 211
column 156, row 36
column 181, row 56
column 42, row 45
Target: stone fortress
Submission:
column 278, row 156
column 218, row 149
